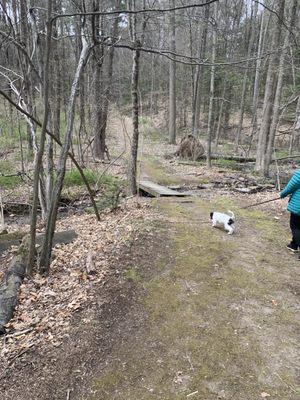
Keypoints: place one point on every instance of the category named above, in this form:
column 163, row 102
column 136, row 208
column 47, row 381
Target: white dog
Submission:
column 223, row 221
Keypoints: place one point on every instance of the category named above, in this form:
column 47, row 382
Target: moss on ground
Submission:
column 131, row 274
column 18, row 235
column 194, row 339
column 270, row 228
column 8, row 182
column 152, row 167
column 225, row 163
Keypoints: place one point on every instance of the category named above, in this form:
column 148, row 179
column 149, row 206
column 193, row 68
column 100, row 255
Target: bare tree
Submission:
column 211, row 93
column 107, row 90
column 172, row 77
column 46, row 250
column 258, row 67
column 39, row 158
column 135, row 101
column 199, row 75
column 278, row 92
column 294, row 140
column 270, row 89
column 246, row 73
column 98, row 56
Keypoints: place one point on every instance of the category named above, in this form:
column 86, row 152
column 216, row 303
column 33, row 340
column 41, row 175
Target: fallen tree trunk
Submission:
column 15, row 238
column 16, row 208
column 287, row 158
column 213, row 157
column 10, row 286
column 239, row 159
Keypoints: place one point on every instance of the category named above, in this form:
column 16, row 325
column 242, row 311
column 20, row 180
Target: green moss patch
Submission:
column 209, row 303
column 8, row 182
column 73, row 178
column 152, row 168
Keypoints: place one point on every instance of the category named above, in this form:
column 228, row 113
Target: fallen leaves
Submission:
column 47, row 304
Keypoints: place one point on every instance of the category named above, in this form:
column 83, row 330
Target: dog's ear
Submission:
column 232, row 214
column 211, row 215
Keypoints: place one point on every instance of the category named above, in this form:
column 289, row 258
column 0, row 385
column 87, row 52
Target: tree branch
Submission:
column 168, row 54
column 149, row 10
column 279, row 18
column 22, row 49
column 37, row 122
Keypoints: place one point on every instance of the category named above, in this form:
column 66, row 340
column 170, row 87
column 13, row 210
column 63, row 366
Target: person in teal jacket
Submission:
column 293, row 189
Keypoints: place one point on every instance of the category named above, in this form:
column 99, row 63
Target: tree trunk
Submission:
column 135, row 118
column 24, row 34
column 276, row 105
column 172, row 78
column 46, row 250
column 36, row 44
column 199, row 76
column 211, row 96
column 98, row 53
column 54, row 78
column 135, row 95
column 39, row 158
column 270, row 88
column 294, row 141
column 81, row 133
column 107, row 91
column 257, row 76
column 217, row 138
column 245, row 78
column 57, row 76
column 153, row 110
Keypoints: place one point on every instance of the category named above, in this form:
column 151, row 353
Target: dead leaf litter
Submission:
column 47, row 304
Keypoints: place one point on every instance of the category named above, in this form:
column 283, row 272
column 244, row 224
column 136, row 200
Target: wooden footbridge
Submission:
column 156, row 190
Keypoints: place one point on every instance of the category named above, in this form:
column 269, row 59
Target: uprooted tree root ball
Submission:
column 190, row 148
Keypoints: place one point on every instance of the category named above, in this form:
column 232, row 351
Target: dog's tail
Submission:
column 211, row 215
column 232, row 214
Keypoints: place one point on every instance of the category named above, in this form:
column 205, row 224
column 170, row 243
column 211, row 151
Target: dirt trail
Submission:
column 189, row 313
column 220, row 314
column 217, row 316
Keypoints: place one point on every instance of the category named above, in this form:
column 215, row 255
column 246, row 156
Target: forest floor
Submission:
column 185, row 311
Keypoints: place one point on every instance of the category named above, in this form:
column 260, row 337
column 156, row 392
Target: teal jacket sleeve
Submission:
column 292, row 185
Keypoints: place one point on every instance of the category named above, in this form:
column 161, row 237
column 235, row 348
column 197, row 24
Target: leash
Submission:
column 189, row 222
column 262, row 202
column 209, row 222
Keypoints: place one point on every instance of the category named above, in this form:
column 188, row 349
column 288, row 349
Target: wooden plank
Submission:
column 158, row 190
